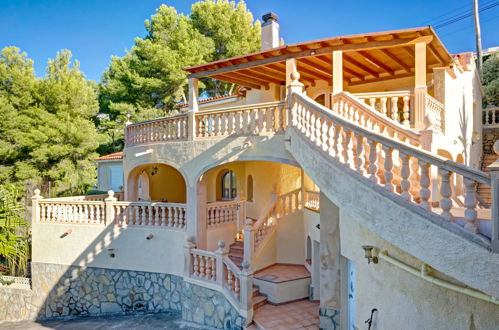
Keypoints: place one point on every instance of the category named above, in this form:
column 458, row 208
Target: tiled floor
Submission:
column 302, row 314
column 282, row 273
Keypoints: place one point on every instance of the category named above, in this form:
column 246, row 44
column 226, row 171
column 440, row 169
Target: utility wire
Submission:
column 442, row 17
column 466, row 15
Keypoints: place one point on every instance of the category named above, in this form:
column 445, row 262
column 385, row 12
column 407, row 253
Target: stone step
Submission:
column 236, row 253
column 236, row 248
column 237, row 244
column 259, row 301
column 256, row 291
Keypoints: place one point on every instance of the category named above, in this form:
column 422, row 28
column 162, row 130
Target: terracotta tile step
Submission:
column 256, row 291
column 259, row 301
column 236, row 248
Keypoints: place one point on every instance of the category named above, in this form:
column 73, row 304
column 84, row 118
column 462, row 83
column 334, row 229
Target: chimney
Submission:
column 270, row 31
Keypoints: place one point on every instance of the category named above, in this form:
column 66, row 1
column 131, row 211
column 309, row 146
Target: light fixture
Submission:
column 111, row 253
column 312, row 52
column 154, row 170
column 66, row 233
column 150, row 236
column 368, row 254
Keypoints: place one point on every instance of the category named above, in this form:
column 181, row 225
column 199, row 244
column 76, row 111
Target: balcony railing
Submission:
column 490, row 117
column 157, row 130
column 396, row 105
column 312, row 200
column 73, row 210
column 225, row 212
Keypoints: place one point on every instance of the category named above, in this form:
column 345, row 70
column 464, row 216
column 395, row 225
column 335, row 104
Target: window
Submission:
column 229, row 185
column 249, row 194
column 115, row 177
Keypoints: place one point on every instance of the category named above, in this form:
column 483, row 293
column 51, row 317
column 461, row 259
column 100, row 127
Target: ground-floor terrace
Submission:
column 269, row 250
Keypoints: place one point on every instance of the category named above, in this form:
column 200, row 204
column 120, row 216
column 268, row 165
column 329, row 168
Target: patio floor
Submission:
column 301, row 314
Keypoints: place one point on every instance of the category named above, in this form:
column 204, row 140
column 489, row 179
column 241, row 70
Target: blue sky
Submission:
column 94, row 30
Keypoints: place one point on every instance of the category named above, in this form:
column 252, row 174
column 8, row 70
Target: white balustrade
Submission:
column 171, row 215
column 203, row 265
column 222, row 213
column 232, row 280
column 241, row 120
column 395, row 105
column 71, row 211
column 157, row 130
column 289, row 203
column 490, row 117
column 411, row 179
column 351, row 107
column 436, row 110
column 312, row 200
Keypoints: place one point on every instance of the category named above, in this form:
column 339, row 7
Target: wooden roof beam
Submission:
column 435, row 54
column 249, row 77
column 353, row 73
column 361, row 66
column 327, row 50
column 377, row 62
column 237, row 81
column 260, row 76
column 396, row 60
column 320, row 68
column 302, row 68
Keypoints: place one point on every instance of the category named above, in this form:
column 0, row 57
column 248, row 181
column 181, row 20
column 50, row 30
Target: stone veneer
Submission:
column 72, row 291
column 329, row 318
column 489, row 136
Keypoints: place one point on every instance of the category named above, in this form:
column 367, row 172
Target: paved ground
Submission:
column 145, row 321
column 301, row 314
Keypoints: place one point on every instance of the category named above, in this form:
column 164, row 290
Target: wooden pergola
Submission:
column 365, row 58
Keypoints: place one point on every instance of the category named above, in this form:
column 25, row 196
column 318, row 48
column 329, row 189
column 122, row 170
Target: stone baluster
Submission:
column 383, row 108
column 424, row 182
column 188, row 256
column 394, row 108
column 35, row 204
column 202, row 266
column 372, row 102
column 170, row 217
column 405, row 172
column 470, row 202
column 446, row 193
column 331, row 141
column 388, row 167
column 373, row 158
column 347, row 147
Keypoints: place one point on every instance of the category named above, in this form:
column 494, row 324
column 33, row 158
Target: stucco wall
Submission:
column 104, row 173
column 290, row 240
column 403, row 300
column 88, row 245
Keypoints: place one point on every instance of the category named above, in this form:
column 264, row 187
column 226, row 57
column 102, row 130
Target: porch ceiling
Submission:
column 367, row 58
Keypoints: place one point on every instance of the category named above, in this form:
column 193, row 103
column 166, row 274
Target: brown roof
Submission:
column 367, row 57
column 116, row 155
column 209, row 99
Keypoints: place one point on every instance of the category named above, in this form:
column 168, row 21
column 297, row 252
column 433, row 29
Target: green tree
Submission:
column 50, row 135
column 491, row 79
column 148, row 80
column 233, row 30
column 14, row 233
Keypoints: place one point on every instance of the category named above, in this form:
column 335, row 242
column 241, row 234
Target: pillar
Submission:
column 330, row 257
column 193, row 108
column 337, row 73
column 494, row 185
column 420, row 88
column 290, row 68
column 196, row 213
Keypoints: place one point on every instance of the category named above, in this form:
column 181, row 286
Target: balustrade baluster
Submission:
column 196, row 264
column 208, row 268
column 405, row 172
column 347, row 148
column 337, row 141
column 310, row 126
column 470, row 202
column 424, row 182
column 388, row 166
column 445, row 192
column 331, row 140
column 230, row 123
column 372, row 102
column 394, row 108
column 317, row 129
column 359, row 154
column 229, row 279
column 373, row 158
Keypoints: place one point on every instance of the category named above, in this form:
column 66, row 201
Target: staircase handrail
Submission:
column 406, row 148
column 240, row 107
column 402, row 131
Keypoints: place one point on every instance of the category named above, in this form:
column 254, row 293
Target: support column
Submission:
column 330, row 288
column 337, row 73
column 420, row 88
column 193, row 108
column 196, row 213
column 290, row 68
column 494, row 175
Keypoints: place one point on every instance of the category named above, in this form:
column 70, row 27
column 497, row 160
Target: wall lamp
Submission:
column 111, row 253
column 368, row 254
column 150, row 236
column 66, row 233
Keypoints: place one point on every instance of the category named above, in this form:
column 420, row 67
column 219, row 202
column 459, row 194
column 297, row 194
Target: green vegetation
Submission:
column 490, row 79
column 14, row 234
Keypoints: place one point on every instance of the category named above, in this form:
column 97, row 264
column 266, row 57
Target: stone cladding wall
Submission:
column 69, row 291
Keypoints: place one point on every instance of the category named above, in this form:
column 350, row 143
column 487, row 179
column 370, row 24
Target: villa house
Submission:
column 347, row 174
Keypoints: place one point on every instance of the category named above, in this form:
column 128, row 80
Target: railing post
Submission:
column 241, row 214
column 494, row 185
column 294, row 87
column 35, row 206
column 249, row 241
column 193, row 109
column 109, row 202
column 189, row 244
column 246, row 285
column 220, row 254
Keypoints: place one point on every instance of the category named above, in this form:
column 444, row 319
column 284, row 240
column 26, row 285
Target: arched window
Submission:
column 249, row 194
column 229, row 185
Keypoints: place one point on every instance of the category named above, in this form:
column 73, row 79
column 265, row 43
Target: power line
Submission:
column 466, row 15
column 493, row 18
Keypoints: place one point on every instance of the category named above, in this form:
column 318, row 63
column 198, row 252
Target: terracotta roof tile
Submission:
column 116, row 155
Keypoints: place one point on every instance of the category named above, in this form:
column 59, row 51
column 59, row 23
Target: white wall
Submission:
column 88, row 245
column 403, row 300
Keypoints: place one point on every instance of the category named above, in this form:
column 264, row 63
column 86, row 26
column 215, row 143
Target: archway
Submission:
column 156, row 182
